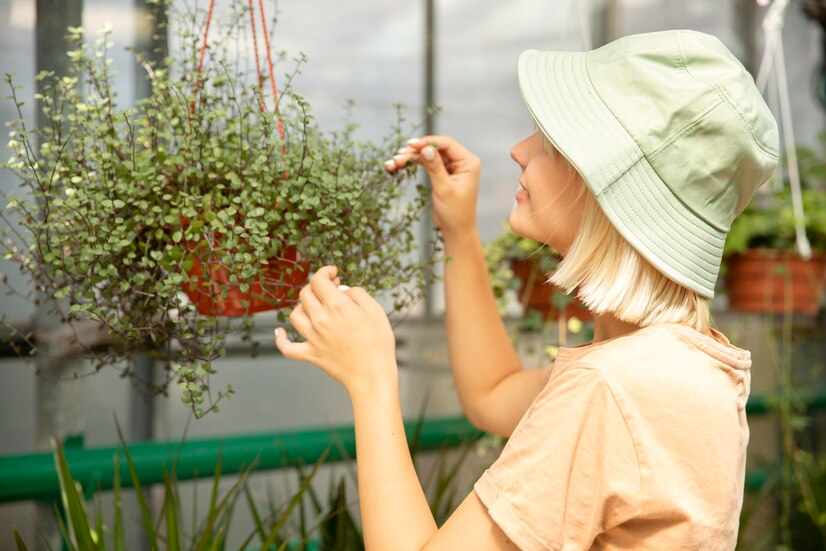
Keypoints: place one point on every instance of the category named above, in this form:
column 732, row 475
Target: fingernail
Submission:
column 398, row 157
column 414, row 141
column 276, row 332
column 403, row 150
column 429, row 153
column 390, row 164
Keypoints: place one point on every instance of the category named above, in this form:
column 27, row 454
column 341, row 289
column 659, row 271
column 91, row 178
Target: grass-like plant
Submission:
column 85, row 531
column 330, row 525
column 206, row 186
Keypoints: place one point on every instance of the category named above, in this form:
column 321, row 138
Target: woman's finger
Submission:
column 323, row 287
column 300, row 351
column 434, row 165
column 401, row 159
column 452, row 150
column 302, row 323
column 364, row 300
column 310, row 302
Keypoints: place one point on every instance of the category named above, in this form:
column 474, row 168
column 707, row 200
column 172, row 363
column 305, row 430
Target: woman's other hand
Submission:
column 346, row 332
column 454, row 176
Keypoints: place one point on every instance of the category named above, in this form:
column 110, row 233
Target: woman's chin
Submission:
column 517, row 224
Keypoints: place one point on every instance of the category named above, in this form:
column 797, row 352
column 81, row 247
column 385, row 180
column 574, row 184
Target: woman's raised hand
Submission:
column 454, row 176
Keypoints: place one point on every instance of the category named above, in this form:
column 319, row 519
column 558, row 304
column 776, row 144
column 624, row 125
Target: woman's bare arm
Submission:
column 493, row 388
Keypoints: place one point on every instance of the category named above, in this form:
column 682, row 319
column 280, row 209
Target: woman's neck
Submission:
column 606, row 326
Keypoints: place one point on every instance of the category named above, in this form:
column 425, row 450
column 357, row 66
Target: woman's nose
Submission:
column 521, row 151
column 517, row 154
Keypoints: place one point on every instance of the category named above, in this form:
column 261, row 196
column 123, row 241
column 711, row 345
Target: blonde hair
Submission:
column 608, row 275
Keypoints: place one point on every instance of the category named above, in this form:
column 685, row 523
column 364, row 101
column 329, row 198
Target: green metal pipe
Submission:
column 33, row 476
column 812, row 398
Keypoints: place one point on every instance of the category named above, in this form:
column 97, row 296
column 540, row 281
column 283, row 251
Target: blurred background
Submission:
column 375, row 53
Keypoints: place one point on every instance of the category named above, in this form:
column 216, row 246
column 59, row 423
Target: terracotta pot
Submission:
column 213, row 294
column 539, row 293
column 774, row 281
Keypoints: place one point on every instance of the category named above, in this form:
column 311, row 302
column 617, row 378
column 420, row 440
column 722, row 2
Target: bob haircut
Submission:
column 608, row 275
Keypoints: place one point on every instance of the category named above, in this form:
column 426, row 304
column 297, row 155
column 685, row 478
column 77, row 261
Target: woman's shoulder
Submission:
column 671, row 358
column 662, row 348
column 658, row 375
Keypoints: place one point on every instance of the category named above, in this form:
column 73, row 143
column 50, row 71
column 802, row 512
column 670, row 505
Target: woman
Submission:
column 645, row 151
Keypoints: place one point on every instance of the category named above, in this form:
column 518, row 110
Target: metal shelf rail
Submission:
column 33, row 475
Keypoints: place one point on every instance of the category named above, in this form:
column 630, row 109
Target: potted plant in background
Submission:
column 205, row 199
column 763, row 272
column 523, row 265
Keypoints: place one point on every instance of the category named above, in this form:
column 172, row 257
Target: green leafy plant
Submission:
column 750, row 535
column 793, row 494
column 521, row 265
column 206, row 186
column 507, row 248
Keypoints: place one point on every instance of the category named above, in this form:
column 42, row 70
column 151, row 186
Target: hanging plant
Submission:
column 208, row 198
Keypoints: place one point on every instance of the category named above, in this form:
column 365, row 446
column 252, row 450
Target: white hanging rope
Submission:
column 772, row 27
column 773, row 59
column 773, row 93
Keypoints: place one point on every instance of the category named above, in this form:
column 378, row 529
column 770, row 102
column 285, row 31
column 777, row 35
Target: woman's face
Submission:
column 548, row 205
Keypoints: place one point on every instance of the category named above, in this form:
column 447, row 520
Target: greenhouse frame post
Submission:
column 56, row 404
column 151, row 44
column 429, row 128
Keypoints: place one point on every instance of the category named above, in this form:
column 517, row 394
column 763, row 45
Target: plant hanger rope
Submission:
column 269, row 62
column 773, row 59
column 215, row 293
column 265, row 32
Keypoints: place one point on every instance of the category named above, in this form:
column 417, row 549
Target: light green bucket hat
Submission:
column 669, row 132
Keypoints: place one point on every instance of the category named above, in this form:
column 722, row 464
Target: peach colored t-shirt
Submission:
column 637, row 442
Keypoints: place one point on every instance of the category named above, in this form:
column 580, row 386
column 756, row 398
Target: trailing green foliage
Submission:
column 119, row 204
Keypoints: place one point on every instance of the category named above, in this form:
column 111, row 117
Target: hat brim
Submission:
column 567, row 108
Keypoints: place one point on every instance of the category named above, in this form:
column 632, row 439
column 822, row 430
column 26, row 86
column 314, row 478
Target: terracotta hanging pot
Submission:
column 215, row 295
column 211, row 290
column 535, row 294
column 775, row 281
column 209, row 284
